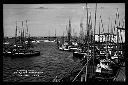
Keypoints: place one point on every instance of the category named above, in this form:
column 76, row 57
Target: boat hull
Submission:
column 78, row 55
column 29, row 54
column 63, row 49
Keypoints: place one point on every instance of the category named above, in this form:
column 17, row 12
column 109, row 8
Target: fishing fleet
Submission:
column 101, row 54
column 22, row 46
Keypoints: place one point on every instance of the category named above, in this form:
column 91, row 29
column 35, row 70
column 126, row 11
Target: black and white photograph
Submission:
column 74, row 42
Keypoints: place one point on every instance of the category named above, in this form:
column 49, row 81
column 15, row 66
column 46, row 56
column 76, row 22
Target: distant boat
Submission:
column 64, row 47
column 48, row 41
column 68, row 45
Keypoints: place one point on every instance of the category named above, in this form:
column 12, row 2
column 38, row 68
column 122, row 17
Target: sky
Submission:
column 44, row 19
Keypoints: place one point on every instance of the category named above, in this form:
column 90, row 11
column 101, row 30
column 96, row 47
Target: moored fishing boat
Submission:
column 21, row 53
column 21, row 48
column 102, row 63
column 106, row 70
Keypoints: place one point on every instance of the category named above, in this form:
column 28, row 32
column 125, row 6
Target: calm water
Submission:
column 51, row 63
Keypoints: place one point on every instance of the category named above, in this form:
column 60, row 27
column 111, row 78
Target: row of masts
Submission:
column 22, row 31
column 89, row 38
column 89, row 35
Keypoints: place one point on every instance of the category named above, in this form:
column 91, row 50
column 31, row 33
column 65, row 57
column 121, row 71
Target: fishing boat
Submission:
column 106, row 70
column 87, row 45
column 20, row 51
column 73, row 47
column 67, row 45
column 21, row 48
column 64, row 46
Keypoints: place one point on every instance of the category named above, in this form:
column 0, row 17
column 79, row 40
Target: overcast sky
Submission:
column 45, row 18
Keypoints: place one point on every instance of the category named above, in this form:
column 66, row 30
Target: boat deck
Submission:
column 121, row 75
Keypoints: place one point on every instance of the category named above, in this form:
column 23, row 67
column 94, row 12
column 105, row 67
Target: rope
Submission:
column 81, row 70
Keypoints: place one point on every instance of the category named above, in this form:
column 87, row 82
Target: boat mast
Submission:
column 27, row 29
column 55, row 33
column 69, row 31
column 16, row 34
column 86, row 69
column 22, row 35
column 87, row 23
column 49, row 35
column 108, row 29
column 90, row 27
column 117, row 17
column 99, row 29
column 102, row 30
column 94, row 37
column 107, row 40
column 81, row 30
column 63, row 38
column 111, row 32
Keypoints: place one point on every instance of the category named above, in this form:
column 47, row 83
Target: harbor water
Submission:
column 43, row 68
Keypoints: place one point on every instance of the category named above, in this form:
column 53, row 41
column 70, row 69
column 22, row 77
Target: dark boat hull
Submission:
column 29, row 54
column 72, row 49
column 78, row 55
